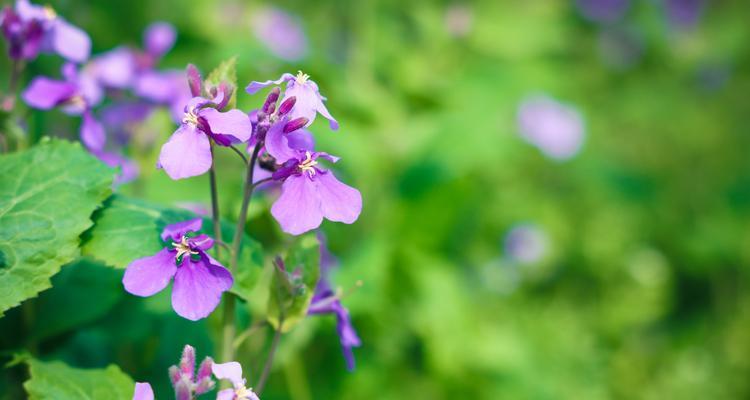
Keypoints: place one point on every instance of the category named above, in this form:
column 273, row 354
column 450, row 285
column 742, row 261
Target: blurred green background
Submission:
column 639, row 287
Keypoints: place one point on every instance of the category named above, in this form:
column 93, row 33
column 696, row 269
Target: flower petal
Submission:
column 115, row 68
column 92, row 132
column 197, row 289
column 143, row 391
column 255, row 86
column 298, row 208
column 301, row 139
column 338, row 201
column 69, row 41
column 186, row 154
column 234, row 124
column 277, row 144
column 226, row 394
column 177, row 230
column 44, row 93
column 149, row 275
column 230, row 370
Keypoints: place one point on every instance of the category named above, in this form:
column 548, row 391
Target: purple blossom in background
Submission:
column 459, row 19
column 167, row 88
column 603, row 11
column 326, row 301
column 158, row 40
column 526, row 243
column 199, row 280
column 30, row 29
column 232, row 371
column 555, row 128
column 113, row 69
column 309, row 101
column 143, row 391
column 128, row 169
column 75, row 95
column 684, row 13
column 188, row 151
column 280, row 32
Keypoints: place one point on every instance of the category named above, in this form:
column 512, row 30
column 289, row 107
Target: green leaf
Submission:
column 225, row 72
column 126, row 229
column 292, row 289
column 82, row 292
column 57, row 381
column 47, row 195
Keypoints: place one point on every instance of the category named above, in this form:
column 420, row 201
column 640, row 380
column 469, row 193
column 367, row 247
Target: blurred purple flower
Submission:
column 128, row 168
column 684, row 13
column 143, row 391
column 555, row 128
column 158, row 39
column 326, row 301
column 188, row 151
column 232, row 371
column 75, row 95
column 199, row 280
column 309, row 101
column 169, row 88
column 281, row 32
column 526, row 243
column 113, row 69
column 603, row 11
column 29, row 29
column 186, row 383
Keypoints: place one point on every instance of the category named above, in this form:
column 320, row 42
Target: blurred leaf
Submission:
column 47, row 195
column 225, row 72
column 81, row 292
column 58, row 381
column 293, row 287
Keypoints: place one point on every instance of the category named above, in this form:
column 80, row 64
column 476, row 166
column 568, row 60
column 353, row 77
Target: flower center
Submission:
column 242, row 392
column 183, row 247
column 190, row 118
column 308, row 165
column 49, row 12
column 76, row 101
column 301, row 78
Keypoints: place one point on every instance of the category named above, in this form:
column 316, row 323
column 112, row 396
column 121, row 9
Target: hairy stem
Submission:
column 228, row 327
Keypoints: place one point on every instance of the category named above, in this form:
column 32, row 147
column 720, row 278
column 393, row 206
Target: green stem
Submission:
column 214, row 200
column 258, row 388
column 228, row 327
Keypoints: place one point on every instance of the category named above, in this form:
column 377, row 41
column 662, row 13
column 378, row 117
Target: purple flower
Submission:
column 30, row 29
column 158, row 39
column 75, row 95
column 310, row 193
column 113, row 69
column 128, row 170
column 199, row 280
column 309, row 101
column 185, row 381
column 684, row 13
column 188, row 151
column 281, row 33
column 168, row 88
column 526, row 243
column 555, row 128
column 233, row 372
column 143, row 391
column 325, row 301
column 605, row 11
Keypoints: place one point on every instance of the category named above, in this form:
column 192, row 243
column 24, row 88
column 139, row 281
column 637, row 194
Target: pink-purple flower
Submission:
column 31, row 29
column 187, row 383
column 143, row 391
column 232, row 371
column 280, row 32
column 188, row 151
column 199, row 280
column 309, row 100
column 555, row 128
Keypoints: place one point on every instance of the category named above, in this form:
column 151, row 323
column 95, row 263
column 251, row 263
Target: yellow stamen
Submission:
column 49, row 12
column 308, row 165
column 183, row 248
column 302, row 77
column 190, row 118
column 242, row 392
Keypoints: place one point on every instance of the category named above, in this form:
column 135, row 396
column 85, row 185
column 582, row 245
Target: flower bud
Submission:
column 174, row 374
column 194, row 80
column 183, row 390
column 204, row 385
column 226, row 91
column 287, row 105
column 187, row 362
column 272, row 98
column 204, row 370
column 295, row 124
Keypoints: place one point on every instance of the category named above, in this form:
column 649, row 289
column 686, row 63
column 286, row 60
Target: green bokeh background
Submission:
column 642, row 292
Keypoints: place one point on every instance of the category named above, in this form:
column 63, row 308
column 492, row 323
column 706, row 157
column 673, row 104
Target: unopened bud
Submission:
column 272, row 98
column 194, row 80
column 183, row 390
column 204, row 385
column 226, row 91
column 295, row 124
column 287, row 105
column 187, row 362
column 204, row 370
column 174, row 374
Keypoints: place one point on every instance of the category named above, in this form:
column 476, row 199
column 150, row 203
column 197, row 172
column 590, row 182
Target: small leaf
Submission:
column 225, row 72
column 292, row 289
column 58, row 381
column 47, row 195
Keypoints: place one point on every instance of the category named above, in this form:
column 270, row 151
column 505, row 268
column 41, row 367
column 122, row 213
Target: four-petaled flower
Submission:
column 233, row 372
column 199, row 280
column 309, row 101
column 188, row 151
column 30, row 29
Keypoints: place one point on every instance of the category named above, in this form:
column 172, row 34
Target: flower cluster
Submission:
column 188, row 384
